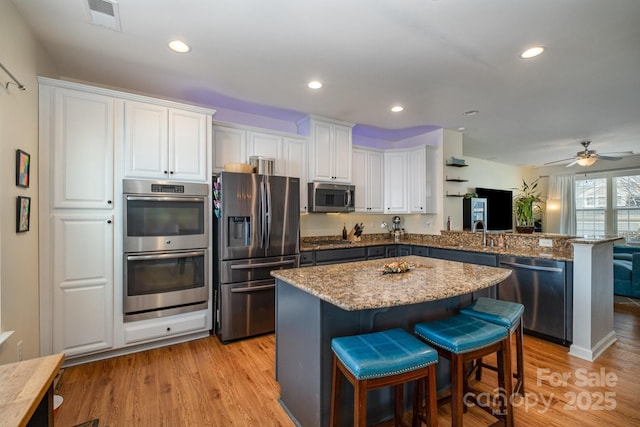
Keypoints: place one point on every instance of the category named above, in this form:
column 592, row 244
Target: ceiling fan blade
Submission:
column 600, row 156
column 617, row 153
column 560, row 161
column 572, row 163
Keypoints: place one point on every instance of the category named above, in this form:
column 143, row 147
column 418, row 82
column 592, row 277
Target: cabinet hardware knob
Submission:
column 108, row 221
column 108, row 202
column 168, row 329
column 166, row 172
column 171, row 172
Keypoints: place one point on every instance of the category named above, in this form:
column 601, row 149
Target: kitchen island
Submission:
column 316, row 304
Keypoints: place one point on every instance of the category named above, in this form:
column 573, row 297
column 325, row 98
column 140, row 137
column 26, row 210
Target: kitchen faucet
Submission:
column 484, row 230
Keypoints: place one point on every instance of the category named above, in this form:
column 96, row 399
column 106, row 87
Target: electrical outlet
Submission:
column 20, row 347
column 546, row 243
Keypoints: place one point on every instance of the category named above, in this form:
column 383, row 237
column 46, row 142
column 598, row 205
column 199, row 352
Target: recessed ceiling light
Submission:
column 397, row 108
column 314, row 85
column 179, row 46
column 461, row 129
column 471, row 112
column 532, row 52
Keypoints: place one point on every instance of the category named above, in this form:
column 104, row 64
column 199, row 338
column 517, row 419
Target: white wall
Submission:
column 19, row 310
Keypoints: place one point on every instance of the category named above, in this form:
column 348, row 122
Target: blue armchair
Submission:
column 626, row 271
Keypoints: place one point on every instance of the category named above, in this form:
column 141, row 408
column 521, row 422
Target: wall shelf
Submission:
column 454, row 195
column 456, row 165
column 456, row 180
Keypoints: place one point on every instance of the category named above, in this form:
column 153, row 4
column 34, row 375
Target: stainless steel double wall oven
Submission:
column 166, row 240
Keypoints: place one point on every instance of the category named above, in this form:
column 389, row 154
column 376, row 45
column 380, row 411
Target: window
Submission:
column 591, row 207
column 627, row 206
column 608, row 204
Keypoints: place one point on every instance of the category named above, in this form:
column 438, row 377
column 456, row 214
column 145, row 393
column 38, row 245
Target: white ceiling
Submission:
column 437, row 58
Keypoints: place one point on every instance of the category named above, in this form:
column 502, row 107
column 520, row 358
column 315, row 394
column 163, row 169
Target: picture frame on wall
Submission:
column 23, row 213
column 23, row 163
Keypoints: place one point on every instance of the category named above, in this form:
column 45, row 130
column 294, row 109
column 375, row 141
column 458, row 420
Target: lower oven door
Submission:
column 163, row 283
column 246, row 309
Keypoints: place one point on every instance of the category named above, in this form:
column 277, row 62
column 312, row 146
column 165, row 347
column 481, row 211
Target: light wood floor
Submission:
column 206, row 383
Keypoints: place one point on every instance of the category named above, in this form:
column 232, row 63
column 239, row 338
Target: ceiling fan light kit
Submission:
column 587, row 157
column 586, row 161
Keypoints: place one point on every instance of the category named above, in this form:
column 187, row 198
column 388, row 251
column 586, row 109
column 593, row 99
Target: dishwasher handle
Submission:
column 532, row 267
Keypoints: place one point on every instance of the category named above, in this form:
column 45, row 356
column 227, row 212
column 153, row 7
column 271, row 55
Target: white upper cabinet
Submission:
column 330, row 149
column 396, row 189
column 80, row 131
column 423, row 185
column 266, row 145
column 229, row 146
column 164, row 143
column 368, row 174
column 295, row 156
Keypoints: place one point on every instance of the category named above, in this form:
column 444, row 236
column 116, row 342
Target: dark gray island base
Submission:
column 316, row 304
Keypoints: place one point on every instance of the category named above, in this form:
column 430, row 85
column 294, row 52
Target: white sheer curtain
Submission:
column 561, row 190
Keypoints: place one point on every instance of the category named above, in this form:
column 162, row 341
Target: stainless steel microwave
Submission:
column 327, row 197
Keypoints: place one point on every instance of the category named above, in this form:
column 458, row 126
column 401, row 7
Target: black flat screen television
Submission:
column 499, row 208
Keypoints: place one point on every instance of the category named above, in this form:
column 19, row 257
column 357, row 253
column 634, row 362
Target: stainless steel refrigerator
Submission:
column 256, row 230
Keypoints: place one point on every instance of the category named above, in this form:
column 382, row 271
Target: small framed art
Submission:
column 23, row 162
column 23, row 214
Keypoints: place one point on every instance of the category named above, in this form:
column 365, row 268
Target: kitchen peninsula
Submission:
column 315, row 304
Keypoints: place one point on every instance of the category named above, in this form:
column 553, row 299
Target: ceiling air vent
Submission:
column 104, row 13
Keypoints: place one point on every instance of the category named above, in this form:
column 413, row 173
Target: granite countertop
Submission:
column 536, row 252
column 361, row 285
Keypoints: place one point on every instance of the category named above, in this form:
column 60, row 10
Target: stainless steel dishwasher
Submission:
column 545, row 288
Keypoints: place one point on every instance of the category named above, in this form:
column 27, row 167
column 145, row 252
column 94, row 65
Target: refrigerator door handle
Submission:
column 268, row 215
column 263, row 202
column 348, row 198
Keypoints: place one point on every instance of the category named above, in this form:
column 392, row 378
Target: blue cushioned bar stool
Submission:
column 509, row 315
column 381, row 359
column 462, row 339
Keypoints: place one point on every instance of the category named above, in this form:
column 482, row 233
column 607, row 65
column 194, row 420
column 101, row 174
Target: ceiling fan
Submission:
column 588, row 157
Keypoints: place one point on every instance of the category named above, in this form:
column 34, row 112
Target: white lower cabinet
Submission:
column 82, row 283
column 153, row 329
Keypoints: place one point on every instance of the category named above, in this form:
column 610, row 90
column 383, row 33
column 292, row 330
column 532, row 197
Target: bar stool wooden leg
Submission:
column 457, row 389
column 336, row 393
column 360, row 404
column 519, row 386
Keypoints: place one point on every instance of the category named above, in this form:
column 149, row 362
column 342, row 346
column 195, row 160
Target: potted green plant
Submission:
column 523, row 203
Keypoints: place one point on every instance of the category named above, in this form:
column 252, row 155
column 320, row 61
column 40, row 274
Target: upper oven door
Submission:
column 162, row 223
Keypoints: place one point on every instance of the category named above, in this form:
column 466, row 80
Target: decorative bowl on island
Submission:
column 395, row 267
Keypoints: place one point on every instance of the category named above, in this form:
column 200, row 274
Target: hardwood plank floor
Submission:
column 206, row 383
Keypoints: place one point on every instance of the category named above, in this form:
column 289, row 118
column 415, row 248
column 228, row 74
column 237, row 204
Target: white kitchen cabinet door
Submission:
column 266, row 145
column 146, row 141
column 188, row 143
column 423, row 180
column 368, row 172
column 229, row 146
column 396, row 182
column 330, row 150
column 342, row 153
column 81, row 134
column 164, row 143
column 321, row 157
column 295, row 156
column 83, row 308
column 417, row 180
